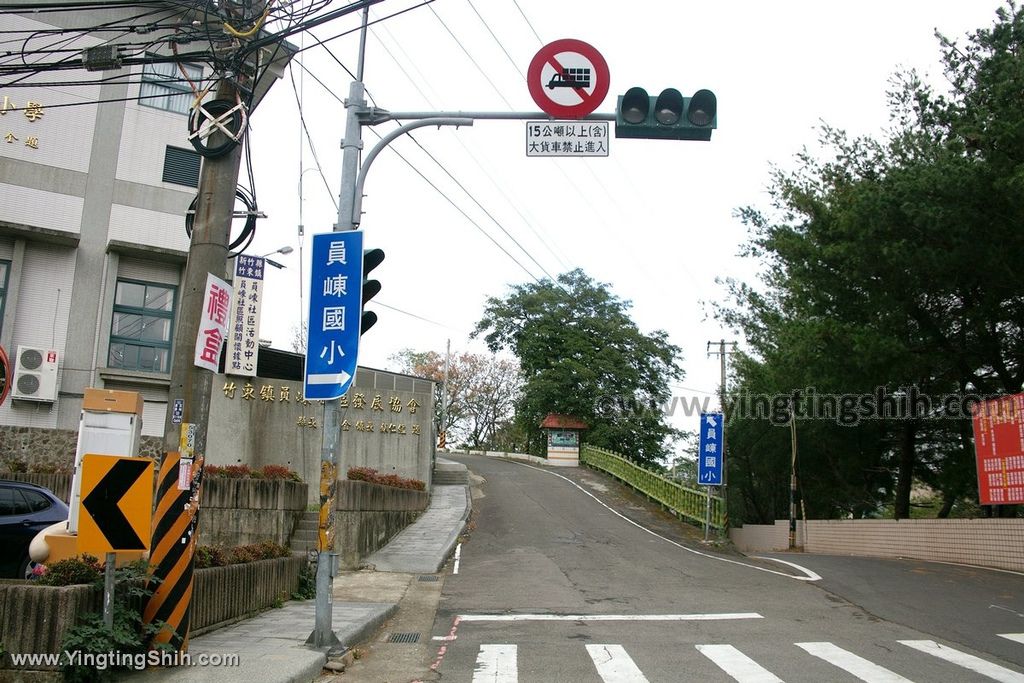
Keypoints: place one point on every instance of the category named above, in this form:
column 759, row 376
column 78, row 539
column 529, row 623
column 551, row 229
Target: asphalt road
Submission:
column 554, row 586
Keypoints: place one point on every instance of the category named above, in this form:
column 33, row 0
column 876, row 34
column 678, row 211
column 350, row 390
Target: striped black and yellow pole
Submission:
column 172, row 553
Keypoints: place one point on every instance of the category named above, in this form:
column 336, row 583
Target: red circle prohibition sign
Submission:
column 568, row 78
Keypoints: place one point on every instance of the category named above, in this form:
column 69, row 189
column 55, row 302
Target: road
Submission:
column 554, row 586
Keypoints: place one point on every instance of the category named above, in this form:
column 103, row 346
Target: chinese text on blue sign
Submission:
column 711, row 455
column 335, row 307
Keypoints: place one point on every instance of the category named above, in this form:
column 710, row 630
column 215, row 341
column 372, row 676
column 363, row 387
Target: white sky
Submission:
column 654, row 220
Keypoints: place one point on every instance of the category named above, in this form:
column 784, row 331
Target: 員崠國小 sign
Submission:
column 335, row 309
column 710, row 457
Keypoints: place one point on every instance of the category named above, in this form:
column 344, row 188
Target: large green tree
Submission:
column 891, row 263
column 581, row 354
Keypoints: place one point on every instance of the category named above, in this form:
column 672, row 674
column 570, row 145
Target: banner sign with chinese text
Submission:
column 213, row 323
column 335, row 310
column 710, row 459
column 999, row 450
column 244, row 327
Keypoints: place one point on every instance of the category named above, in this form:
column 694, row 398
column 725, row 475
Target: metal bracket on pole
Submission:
column 385, row 141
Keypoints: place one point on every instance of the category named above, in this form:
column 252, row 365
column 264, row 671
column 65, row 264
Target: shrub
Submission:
column 220, row 556
column 277, row 472
column 237, row 471
column 212, row 556
column 74, row 570
column 368, row 474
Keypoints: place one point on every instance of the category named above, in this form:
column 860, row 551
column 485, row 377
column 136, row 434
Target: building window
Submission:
column 5, row 268
column 181, row 166
column 141, row 328
column 164, row 86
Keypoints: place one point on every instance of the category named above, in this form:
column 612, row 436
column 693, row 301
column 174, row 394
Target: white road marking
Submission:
column 985, row 668
column 458, row 557
column 496, row 664
column 609, row 617
column 1016, row 637
column 738, row 665
column 813, row 577
column 614, row 665
column 851, row 663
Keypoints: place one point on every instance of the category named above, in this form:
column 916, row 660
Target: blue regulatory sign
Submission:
column 711, row 455
column 335, row 309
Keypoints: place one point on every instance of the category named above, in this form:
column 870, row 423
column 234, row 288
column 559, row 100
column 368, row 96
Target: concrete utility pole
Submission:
column 722, row 357
column 444, row 395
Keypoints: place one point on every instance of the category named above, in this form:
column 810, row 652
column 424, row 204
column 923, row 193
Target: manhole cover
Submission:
column 404, row 638
column 428, row 577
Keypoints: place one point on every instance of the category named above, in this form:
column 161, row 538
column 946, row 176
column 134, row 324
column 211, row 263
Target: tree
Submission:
column 581, row 354
column 482, row 391
column 890, row 263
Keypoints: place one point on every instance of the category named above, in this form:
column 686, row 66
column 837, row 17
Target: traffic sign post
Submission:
column 710, row 458
column 114, row 514
column 335, row 309
column 568, row 78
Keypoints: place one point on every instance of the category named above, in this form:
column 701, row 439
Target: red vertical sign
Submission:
column 999, row 450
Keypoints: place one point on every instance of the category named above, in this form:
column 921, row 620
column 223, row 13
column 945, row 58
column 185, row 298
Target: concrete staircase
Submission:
column 450, row 473
column 305, row 536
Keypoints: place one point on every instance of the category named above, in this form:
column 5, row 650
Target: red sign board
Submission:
column 568, row 79
column 999, row 450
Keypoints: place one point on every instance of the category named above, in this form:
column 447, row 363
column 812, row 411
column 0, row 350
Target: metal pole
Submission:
column 108, row 591
column 725, row 469
column 707, row 514
column 323, row 635
column 444, row 395
column 792, row 479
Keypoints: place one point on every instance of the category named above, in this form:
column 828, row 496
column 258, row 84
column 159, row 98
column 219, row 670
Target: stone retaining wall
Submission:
column 243, row 511
column 35, row 618
column 369, row 515
column 52, row 450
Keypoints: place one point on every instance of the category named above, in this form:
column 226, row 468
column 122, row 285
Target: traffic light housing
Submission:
column 669, row 116
column 371, row 259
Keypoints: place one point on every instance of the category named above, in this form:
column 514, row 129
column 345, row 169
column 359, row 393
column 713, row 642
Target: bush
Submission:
column 368, row 474
column 219, row 556
column 129, row 635
column 72, row 571
column 276, row 472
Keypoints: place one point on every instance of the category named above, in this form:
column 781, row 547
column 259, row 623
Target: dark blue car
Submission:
column 25, row 510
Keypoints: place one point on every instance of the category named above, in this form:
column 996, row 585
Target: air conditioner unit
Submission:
column 35, row 374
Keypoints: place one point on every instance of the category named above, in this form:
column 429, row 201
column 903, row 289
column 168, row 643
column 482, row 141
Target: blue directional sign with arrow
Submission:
column 117, row 503
column 711, row 456
column 335, row 307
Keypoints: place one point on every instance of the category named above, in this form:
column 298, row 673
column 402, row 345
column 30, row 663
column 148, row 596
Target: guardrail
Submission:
column 689, row 503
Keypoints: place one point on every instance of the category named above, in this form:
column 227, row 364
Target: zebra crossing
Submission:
column 498, row 663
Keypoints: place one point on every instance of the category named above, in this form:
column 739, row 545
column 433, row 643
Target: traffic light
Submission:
column 371, row 259
column 669, row 116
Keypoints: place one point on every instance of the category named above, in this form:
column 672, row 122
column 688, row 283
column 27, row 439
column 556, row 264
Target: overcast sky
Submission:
column 655, row 220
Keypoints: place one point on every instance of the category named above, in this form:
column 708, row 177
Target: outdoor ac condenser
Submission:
column 35, row 374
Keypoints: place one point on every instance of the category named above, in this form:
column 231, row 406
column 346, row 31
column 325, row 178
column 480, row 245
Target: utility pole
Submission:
column 792, row 479
column 722, row 355
column 191, row 386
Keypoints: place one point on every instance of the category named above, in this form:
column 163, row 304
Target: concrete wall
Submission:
column 243, row 511
column 369, row 515
column 258, row 422
column 997, row 543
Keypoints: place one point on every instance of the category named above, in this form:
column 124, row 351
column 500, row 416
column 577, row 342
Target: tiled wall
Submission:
column 997, row 543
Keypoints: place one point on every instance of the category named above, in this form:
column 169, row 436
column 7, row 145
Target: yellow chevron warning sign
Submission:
column 116, row 504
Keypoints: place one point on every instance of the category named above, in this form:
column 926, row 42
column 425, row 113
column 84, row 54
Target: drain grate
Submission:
column 404, row 638
column 428, row 577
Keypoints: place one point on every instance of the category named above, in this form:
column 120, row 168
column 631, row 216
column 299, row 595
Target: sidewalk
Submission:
column 271, row 646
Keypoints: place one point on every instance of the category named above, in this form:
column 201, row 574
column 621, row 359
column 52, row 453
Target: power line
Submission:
column 479, row 68
column 500, row 44
column 521, row 12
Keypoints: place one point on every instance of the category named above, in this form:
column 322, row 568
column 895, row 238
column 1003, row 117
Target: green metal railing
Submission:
column 690, row 503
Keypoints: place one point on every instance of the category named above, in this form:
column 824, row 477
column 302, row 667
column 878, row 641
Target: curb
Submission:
column 356, row 635
column 453, row 537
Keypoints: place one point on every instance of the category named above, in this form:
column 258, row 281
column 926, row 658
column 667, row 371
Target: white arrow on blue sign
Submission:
column 711, row 455
column 335, row 309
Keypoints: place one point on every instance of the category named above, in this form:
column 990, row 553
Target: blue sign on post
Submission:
column 335, row 309
column 711, row 455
